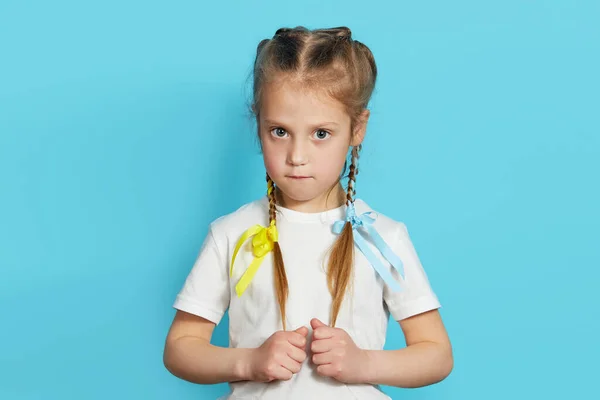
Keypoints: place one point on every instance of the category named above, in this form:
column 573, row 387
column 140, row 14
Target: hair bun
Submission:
column 296, row 31
column 341, row 32
column 344, row 32
column 282, row 31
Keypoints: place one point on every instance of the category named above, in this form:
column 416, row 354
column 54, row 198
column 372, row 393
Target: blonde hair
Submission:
column 329, row 60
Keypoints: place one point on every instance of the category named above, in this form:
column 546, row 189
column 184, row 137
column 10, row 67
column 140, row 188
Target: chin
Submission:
column 299, row 196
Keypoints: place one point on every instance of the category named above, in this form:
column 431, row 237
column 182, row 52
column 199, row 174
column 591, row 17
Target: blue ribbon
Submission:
column 365, row 221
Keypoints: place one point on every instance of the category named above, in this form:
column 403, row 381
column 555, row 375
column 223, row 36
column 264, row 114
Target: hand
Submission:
column 336, row 355
column 279, row 357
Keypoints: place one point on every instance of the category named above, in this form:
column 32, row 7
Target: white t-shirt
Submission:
column 305, row 239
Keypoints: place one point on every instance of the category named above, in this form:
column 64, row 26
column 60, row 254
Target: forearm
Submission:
column 194, row 360
column 420, row 364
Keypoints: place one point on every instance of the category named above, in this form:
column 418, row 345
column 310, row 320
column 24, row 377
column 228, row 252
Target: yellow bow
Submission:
column 262, row 243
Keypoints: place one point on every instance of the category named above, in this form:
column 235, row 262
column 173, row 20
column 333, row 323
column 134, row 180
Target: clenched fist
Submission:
column 336, row 355
column 279, row 357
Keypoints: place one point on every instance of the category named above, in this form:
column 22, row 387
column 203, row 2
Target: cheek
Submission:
column 272, row 159
column 332, row 160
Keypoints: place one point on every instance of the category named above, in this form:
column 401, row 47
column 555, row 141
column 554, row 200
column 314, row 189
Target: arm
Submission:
column 189, row 355
column 426, row 360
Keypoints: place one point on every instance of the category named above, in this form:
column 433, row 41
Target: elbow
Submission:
column 442, row 364
column 172, row 366
column 168, row 360
column 446, row 364
column 175, row 361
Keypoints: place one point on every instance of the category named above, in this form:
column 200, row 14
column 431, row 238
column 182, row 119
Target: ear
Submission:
column 360, row 129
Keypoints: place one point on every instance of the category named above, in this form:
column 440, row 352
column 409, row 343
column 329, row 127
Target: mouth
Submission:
column 298, row 177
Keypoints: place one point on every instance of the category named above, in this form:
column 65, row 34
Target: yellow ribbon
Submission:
column 262, row 243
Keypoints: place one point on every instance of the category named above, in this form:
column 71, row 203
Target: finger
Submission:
column 316, row 323
column 296, row 339
column 302, row 331
column 322, row 358
column 291, row 365
column 281, row 373
column 296, row 354
column 328, row 370
column 321, row 346
column 323, row 332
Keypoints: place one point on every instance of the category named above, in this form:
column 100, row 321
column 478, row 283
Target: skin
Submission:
column 305, row 137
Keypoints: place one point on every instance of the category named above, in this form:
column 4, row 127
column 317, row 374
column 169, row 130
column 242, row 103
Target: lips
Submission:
column 298, row 177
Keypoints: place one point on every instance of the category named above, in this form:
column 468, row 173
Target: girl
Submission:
column 309, row 273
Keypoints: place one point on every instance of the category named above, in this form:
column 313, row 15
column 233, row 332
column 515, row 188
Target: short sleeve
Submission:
column 416, row 296
column 206, row 289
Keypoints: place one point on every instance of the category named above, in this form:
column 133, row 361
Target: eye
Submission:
column 322, row 134
column 278, row 132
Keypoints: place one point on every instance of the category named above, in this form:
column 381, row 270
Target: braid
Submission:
column 341, row 259
column 352, row 176
column 271, row 195
column 279, row 275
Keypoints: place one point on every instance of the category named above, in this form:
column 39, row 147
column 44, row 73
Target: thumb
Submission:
column 316, row 323
column 302, row 330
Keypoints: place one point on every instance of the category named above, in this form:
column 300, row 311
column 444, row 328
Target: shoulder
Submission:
column 384, row 224
column 235, row 222
column 393, row 231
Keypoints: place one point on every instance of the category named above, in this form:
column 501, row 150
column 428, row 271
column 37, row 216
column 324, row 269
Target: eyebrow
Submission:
column 321, row 124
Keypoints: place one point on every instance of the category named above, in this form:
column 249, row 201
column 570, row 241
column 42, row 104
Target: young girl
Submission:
column 309, row 273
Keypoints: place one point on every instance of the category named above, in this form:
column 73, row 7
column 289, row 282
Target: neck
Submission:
column 329, row 200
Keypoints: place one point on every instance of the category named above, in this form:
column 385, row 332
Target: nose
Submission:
column 297, row 154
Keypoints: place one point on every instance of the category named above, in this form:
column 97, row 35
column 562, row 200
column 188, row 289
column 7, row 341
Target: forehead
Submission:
column 291, row 101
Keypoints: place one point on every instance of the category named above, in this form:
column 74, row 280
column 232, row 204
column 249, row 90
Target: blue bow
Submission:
column 365, row 221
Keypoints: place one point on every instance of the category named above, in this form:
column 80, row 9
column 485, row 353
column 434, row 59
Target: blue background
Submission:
column 124, row 131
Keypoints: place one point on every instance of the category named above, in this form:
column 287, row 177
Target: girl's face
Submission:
column 305, row 137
